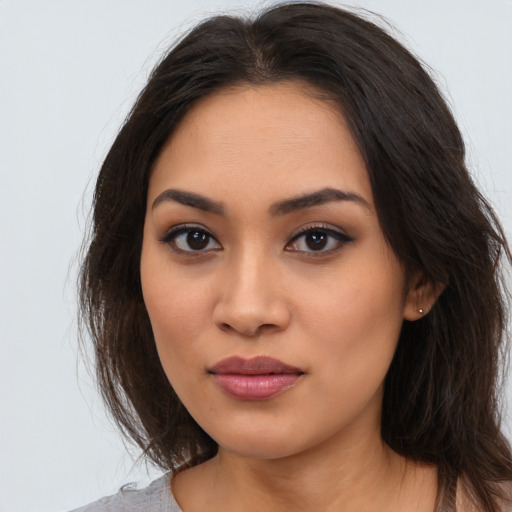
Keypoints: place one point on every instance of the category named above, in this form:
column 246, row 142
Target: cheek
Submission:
column 176, row 308
column 362, row 302
column 356, row 325
column 174, row 315
column 177, row 316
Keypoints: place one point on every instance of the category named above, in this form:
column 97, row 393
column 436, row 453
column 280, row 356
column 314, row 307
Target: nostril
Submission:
column 225, row 327
column 268, row 327
column 249, row 331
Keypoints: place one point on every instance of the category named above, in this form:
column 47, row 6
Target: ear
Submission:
column 421, row 296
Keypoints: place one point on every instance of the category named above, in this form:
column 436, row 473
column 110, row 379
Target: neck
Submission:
column 311, row 481
column 362, row 473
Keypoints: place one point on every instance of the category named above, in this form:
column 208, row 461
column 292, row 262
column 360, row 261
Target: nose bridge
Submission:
column 249, row 267
column 252, row 297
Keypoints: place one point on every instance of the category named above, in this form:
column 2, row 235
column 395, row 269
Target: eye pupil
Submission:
column 197, row 240
column 316, row 240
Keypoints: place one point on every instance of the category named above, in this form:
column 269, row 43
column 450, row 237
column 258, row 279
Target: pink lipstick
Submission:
column 259, row 378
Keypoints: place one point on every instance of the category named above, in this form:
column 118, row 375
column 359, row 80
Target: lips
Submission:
column 259, row 378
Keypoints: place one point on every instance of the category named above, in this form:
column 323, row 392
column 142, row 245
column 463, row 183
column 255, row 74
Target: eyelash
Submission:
column 340, row 238
column 170, row 238
column 186, row 229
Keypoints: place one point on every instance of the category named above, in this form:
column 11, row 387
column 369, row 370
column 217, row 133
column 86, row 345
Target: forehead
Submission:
column 278, row 139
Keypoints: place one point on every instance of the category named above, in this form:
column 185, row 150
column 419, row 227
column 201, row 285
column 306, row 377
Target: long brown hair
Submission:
column 441, row 397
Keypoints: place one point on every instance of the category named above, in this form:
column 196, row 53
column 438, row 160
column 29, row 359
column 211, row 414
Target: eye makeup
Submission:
column 314, row 240
column 318, row 240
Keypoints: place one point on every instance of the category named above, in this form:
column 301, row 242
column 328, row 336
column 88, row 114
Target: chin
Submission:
column 267, row 444
column 260, row 450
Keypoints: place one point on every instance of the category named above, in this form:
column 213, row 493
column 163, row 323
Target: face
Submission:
column 275, row 301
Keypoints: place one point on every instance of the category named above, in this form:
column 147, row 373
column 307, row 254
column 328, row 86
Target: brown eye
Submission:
column 197, row 240
column 318, row 240
column 191, row 239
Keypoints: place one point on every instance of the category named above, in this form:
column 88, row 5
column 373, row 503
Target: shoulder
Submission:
column 157, row 497
column 506, row 492
column 503, row 489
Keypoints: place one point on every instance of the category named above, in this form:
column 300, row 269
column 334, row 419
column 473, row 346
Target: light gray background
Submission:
column 69, row 71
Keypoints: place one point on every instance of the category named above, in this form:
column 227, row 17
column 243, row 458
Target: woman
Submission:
column 293, row 285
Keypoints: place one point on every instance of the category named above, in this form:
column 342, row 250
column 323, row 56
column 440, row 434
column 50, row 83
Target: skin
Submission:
column 257, row 288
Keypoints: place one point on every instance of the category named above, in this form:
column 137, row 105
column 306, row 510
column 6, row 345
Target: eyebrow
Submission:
column 323, row 196
column 284, row 207
column 189, row 199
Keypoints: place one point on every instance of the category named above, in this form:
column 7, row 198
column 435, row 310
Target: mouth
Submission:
column 259, row 378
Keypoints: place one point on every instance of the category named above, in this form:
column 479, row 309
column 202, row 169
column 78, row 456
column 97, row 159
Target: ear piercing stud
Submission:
column 420, row 311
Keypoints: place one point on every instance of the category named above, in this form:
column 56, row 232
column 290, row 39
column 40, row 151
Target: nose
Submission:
column 252, row 300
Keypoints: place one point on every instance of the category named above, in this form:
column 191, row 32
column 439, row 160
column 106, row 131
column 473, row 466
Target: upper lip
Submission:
column 260, row 365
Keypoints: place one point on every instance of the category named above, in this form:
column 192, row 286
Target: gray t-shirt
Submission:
column 157, row 497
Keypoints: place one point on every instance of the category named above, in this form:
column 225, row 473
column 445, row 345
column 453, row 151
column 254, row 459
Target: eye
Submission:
column 190, row 239
column 318, row 239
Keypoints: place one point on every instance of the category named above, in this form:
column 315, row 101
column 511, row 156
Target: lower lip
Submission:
column 256, row 387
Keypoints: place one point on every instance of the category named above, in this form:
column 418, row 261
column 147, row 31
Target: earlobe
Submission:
column 421, row 296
